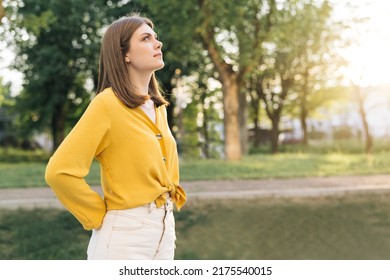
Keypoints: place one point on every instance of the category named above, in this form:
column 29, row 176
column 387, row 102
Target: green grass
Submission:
column 353, row 227
column 31, row 174
column 351, row 146
column 287, row 165
column 348, row 227
column 41, row 234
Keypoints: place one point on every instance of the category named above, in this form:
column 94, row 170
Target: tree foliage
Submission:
column 276, row 54
column 296, row 63
column 280, row 49
column 57, row 47
column 7, row 135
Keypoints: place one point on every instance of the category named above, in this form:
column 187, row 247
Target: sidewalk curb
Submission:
column 224, row 189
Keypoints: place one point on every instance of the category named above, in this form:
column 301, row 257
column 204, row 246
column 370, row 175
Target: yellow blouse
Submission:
column 138, row 161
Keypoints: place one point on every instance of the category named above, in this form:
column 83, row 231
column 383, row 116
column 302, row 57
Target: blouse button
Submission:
column 159, row 136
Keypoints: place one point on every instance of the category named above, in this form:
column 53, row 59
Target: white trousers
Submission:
column 142, row 233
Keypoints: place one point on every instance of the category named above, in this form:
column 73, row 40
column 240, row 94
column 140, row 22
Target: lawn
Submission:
column 349, row 227
column 31, row 174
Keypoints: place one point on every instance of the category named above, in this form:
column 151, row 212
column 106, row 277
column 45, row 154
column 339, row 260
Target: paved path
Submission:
column 339, row 185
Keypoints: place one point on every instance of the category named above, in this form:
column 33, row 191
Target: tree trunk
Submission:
column 58, row 125
column 230, row 88
column 205, row 131
column 231, row 120
column 255, row 106
column 256, row 109
column 275, row 113
column 243, row 120
column 363, row 116
column 275, row 134
column 303, row 119
column 303, row 113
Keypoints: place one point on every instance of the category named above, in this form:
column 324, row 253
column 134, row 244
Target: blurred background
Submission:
column 258, row 89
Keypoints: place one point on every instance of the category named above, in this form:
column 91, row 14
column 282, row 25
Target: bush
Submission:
column 12, row 155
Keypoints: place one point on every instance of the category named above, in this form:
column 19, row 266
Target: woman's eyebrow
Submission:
column 147, row 33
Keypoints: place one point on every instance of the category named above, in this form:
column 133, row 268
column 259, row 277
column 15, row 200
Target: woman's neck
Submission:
column 141, row 82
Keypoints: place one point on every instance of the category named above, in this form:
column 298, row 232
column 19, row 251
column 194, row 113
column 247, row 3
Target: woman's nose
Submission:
column 159, row 44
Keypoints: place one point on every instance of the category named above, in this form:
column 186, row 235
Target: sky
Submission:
column 369, row 57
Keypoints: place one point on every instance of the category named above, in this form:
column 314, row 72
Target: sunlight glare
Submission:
column 369, row 60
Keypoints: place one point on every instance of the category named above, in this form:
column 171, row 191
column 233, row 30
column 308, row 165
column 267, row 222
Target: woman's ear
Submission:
column 127, row 59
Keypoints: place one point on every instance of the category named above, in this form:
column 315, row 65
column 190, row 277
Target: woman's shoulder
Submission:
column 106, row 97
column 106, row 94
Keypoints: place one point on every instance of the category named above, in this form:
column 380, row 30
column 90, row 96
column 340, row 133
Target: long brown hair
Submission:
column 112, row 66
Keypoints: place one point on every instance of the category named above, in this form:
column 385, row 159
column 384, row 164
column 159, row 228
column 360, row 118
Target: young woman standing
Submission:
column 125, row 128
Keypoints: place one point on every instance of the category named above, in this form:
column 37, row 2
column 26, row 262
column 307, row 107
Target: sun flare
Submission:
column 369, row 58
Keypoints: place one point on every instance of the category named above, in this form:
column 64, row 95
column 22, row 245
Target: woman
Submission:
column 125, row 128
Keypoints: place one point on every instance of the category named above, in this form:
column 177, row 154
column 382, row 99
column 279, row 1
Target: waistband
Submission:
column 167, row 207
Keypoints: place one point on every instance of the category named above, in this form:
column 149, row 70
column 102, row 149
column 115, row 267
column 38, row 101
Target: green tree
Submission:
column 210, row 139
column 206, row 97
column 181, row 45
column 318, row 37
column 185, row 60
column 230, row 32
column 7, row 116
column 57, row 44
column 293, row 65
column 243, row 27
column 275, row 73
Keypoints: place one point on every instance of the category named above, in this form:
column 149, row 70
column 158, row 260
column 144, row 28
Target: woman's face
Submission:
column 145, row 53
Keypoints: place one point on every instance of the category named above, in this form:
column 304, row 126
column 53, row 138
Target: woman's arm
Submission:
column 70, row 164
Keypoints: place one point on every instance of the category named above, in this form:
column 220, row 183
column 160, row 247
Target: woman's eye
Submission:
column 149, row 37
